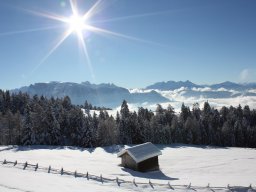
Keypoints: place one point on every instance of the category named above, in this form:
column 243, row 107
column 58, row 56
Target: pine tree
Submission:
column 1, row 101
column 76, row 127
column 95, row 129
column 7, row 102
column 184, row 114
column 251, row 131
column 87, row 131
column 176, row 131
column 55, row 132
column 125, row 113
column 28, row 135
column 196, row 112
column 206, row 126
column 18, row 128
column 136, row 133
column 239, row 134
column 189, row 126
column 67, row 103
column 169, row 114
column 124, row 125
column 9, row 116
column 228, row 134
column 107, row 132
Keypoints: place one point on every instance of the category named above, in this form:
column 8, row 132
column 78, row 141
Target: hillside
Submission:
column 180, row 165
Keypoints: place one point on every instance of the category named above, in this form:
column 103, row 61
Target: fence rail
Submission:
column 118, row 181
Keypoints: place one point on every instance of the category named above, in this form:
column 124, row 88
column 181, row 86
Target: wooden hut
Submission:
column 142, row 157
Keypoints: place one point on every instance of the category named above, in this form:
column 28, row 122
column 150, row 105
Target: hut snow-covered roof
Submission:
column 141, row 152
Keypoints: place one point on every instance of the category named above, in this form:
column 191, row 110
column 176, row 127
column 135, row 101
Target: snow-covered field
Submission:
column 180, row 165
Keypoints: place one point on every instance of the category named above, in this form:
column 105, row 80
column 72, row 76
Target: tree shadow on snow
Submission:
column 181, row 145
column 16, row 148
column 8, row 148
column 118, row 148
column 50, row 147
column 149, row 175
column 114, row 148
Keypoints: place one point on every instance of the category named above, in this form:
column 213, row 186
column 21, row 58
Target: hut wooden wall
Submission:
column 128, row 162
column 150, row 164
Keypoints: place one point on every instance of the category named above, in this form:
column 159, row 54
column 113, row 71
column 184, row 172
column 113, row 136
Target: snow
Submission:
column 179, row 164
column 141, row 152
column 20, row 180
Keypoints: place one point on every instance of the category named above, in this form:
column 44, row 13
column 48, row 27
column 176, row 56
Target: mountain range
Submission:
column 107, row 95
column 188, row 89
column 172, row 85
column 110, row 95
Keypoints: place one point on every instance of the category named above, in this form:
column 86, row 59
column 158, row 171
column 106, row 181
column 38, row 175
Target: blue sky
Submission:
column 204, row 41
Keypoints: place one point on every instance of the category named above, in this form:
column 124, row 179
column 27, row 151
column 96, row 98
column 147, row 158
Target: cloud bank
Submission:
column 179, row 96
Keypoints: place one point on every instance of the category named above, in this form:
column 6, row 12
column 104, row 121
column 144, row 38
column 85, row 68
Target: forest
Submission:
column 38, row 120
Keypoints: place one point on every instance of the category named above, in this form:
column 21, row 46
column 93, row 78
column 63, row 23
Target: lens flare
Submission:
column 78, row 24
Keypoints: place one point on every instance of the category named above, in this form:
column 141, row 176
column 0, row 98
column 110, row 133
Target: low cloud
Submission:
column 216, row 103
column 177, row 97
column 201, row 89
column 242, row 100
column 252, row 91
column 140, row 90
column 222, row 89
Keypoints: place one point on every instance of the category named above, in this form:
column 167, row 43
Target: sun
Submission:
column 80, row 24
column 76, row 23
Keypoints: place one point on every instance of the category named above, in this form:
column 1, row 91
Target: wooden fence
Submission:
column 118, row 181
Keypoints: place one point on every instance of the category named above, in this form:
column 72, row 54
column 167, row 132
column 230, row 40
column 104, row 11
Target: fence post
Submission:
column 15, row 163
column 49, row 169
column 117, row 181
column 170, row 185
column 101, row 179
column 208, row 186
column 4, row 161
column 188, row 187
column 151, row 185
column 87, row 175
column 36, row 167
column 61, row 171
column 75, row 174
column 25, row 165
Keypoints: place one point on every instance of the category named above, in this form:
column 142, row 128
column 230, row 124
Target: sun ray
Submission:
column 91, row 11
column 104, row 31
column 79, row 24
column 62, row 39
column 73, row 7
column 48, row 15
column 75, row 26
column 31, row 30
column 133, row 16
column 85, row 52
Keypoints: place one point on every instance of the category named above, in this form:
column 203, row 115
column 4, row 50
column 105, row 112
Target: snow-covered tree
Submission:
column 28, row 134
